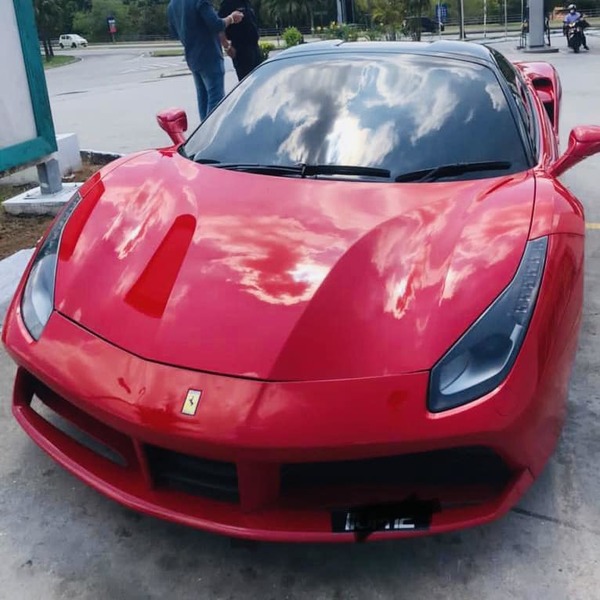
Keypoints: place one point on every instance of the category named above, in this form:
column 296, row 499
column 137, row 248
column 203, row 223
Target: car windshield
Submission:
column 406, row 114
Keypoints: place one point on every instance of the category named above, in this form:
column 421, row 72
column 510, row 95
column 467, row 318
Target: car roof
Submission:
column 465, row 50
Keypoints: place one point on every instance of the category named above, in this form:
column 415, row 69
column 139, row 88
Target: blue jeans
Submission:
column 210, row 87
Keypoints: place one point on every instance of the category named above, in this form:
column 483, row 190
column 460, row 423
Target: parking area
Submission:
column 60, row 539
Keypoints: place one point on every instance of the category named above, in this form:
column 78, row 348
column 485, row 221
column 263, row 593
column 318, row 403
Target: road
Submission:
column 111, row 96
column 60, row 539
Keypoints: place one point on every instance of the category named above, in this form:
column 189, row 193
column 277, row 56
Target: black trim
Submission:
column 193, row 475
column 510, row 93
column 473, row 465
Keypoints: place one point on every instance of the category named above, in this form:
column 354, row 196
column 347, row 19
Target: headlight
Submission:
column 481, row 359
column 38, row 297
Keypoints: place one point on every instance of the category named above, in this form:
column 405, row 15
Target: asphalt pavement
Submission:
column 60, row 539
column 111, row 96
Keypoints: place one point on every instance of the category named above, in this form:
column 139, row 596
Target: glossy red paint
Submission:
column 259, row 424
column 309, row 314
column 583, row 142
column 315, row 291
column 546, row 82
column 174, row 122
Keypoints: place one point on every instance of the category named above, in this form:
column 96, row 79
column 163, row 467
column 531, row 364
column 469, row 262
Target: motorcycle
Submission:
column 574, row 33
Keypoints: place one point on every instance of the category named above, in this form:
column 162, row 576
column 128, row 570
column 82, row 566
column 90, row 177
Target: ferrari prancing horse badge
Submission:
column 190, row 404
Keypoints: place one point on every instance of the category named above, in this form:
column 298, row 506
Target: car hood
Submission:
column 283, row 278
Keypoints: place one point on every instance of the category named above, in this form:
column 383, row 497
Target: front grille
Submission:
column 80, row 427
column 78, row 435
column 470, row 466
column 193, row 475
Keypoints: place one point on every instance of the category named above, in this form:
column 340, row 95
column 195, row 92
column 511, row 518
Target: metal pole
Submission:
column 461, row 7
column 49, row 176
column 523, row 41
column 505, row 20
column 485, row 18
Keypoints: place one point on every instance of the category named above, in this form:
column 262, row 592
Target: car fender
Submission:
column 555, row 210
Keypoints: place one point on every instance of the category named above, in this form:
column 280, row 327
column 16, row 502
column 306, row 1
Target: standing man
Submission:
column 196, row 24
column 242, row 39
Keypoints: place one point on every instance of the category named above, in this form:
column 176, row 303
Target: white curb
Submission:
column 33, row 202
column 11, row 270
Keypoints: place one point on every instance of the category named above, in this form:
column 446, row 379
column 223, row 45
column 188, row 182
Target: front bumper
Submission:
column 265, row 430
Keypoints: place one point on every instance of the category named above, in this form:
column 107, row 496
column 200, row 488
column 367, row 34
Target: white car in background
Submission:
column 71, row 40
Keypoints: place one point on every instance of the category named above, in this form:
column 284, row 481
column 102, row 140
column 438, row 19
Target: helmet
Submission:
column 572, row 7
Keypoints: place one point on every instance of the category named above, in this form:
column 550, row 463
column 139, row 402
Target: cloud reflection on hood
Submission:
column 275, row 259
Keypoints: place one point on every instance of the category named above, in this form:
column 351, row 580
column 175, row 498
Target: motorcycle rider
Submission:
column 572, row 17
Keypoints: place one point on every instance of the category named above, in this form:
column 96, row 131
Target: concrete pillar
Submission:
column 535, row 37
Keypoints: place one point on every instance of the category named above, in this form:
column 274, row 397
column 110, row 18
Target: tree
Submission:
column 47, row 14
column 148, row 17
column 92, row 23
column 133, row 17
column 289, row 12
column 414, row 8
column 390, row 14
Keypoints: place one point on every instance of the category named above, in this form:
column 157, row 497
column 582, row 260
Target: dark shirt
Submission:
column 196, row 24
column 244, row 33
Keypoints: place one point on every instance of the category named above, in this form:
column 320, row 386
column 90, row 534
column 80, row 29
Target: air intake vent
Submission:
column 451, row 467
column 193, row 475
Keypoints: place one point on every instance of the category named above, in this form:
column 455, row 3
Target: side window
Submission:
column 520, row 94
column 527, row 107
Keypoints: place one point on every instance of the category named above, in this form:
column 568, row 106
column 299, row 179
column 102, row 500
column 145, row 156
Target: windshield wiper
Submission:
column 453, row 169
column 352, row 170
column 299, row 170
column 252, row 167
column 206, row 161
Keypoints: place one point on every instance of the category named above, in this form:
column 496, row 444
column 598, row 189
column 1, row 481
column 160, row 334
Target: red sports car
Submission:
column 345, row 308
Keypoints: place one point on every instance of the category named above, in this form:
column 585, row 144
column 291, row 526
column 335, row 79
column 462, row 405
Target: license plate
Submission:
column 407, row 515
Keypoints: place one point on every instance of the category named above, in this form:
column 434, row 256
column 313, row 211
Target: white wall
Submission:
column 17, row 122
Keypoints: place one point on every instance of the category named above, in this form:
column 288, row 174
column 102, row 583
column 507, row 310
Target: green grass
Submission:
column 179, row 51
column 8, row 191
column 164, row 53
column 58, row 61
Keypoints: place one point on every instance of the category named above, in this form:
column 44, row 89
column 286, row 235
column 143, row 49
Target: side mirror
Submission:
column 174, row 122
column 583, row 142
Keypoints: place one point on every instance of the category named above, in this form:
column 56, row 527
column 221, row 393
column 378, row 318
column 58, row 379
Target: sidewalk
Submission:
column 11, row 269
